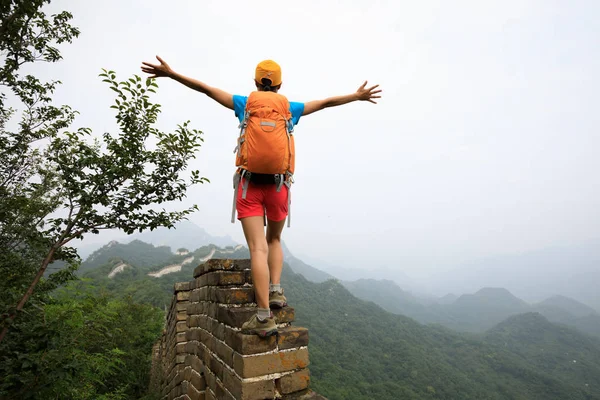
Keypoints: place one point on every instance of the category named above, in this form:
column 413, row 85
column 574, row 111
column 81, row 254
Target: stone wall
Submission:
column 203, row 355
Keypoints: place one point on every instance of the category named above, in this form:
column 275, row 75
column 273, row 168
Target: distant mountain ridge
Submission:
column 300, row 267
column 185, row 235
column 475, row 312
column 359, row 351
column 572, row 271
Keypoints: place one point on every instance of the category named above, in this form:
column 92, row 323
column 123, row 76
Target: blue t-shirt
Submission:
column 239, row 106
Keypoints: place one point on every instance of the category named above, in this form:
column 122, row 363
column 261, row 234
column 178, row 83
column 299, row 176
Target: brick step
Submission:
column 236, row 316
column 216, row 264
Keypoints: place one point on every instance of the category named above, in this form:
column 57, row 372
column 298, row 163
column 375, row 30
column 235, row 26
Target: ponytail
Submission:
column 266, row 85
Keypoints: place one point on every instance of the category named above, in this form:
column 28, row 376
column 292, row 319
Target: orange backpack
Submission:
column 266, row 143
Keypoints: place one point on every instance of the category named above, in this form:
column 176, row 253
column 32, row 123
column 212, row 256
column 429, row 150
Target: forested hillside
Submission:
column 360, row 351
column 475, row 312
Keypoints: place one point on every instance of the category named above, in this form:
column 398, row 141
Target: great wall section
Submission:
column 203, row 355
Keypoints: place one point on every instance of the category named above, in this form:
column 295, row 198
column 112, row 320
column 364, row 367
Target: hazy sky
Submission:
column 485, row 141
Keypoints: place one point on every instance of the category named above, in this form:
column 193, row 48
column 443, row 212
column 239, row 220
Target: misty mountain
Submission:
column 574, row 307
column 185, row 235
column 360, row 351
column 569, row 356
column 482, row 310
column 572, row 271
column 474, row 312
column 447, row 299
column 129, row 268
column 136, row 252
column 388, row 295
column 300, row 267
column 389, row 272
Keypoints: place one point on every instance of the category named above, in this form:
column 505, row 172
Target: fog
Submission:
column 484, row 143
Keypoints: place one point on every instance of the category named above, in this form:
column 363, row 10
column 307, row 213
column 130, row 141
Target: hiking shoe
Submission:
column 277, row 300
column 254, row 326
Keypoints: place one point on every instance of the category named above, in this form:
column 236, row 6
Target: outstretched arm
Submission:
column 363, row 94
column 163, row 69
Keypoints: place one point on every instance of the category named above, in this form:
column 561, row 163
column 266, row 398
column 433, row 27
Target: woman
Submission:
column 262, row 197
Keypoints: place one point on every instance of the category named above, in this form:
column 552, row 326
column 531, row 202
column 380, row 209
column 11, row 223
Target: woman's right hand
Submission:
column 157, row 70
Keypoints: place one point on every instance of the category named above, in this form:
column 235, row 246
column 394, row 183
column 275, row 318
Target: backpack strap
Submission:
column 288, row 182
column 237, row 177
column 242, row 127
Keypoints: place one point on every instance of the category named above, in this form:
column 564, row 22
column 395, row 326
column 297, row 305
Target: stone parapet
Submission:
column 202, row 353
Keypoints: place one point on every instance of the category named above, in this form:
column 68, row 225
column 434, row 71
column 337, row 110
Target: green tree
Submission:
column 89, row 345
column 27, row 196
column 60, row 185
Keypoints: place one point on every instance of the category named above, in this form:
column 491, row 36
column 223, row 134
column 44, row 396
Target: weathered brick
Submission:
column 211, row 310
column 181, row 315
column 236, row 316
column 221, row 393
column 216, row 366
column 197, row 380
column 235, row 296
column 194, row 298
column 193, row 321
column 263, row 364
column 184, row 388
column 180, row 359
column 193, row 392
column 212, row 294
column 248, row 390
column 175, row 392
column 182, row 305
column 202, row 281
column 248, row 276
column 224, row 352
column 195, row 308
column 224, row 278
column 194, row 348
column 209, row 342
column 293, row 382
column 210, row 395
column 306, row 394
column 180, row 348
column 181, row 337
column 204, row 322
column 196, row 363
column 187, row 373
column 210, row 379
column 219, row 330
column 292, row 337
column 211, row 324
column 198, row 270
column 183, row 296
column 181, row 326
column 217, row 264
column 181, row 286
column 177, row 380
column 248, row 344
column 202, row 294
column 193, row 334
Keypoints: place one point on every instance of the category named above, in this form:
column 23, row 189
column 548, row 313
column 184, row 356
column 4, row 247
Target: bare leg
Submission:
column 275, row 258
column 257, row 244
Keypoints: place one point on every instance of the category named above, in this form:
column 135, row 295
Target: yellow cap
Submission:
column 268, row 69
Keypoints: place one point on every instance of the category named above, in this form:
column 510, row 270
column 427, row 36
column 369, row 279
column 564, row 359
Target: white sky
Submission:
column 485, row 141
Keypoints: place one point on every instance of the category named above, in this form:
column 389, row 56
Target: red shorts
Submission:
column 261, row 199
